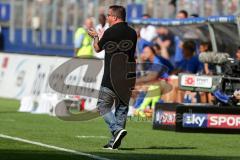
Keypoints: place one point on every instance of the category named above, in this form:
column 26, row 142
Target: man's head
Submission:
column 88, row 24
column 162, row 31
column 238, row 54
column 189, row 48
column 102, row 19
column 205, row 47
column 182, row 14
column 146, row 16
column 116, row 14
column 148, row 54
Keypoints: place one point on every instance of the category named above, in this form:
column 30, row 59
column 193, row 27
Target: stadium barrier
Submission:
column 196, row 118
column 39, row 47
column 26, row 78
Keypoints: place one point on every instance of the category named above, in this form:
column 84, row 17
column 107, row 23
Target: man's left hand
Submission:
column 92, row 32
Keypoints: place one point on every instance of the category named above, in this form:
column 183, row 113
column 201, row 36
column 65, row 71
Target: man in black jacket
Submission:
column 119, row 39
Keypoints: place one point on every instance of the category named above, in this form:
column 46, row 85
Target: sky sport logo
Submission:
column 211, row 121
column 223, row 121
column 194, row 120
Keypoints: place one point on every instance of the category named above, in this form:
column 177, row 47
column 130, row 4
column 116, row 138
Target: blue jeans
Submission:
column 116, row 121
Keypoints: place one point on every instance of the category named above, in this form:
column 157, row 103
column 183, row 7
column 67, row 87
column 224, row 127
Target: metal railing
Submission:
column 68, row 15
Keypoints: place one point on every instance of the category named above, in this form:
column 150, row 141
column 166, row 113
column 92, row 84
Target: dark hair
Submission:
column 194, row 15
column 102, row 16
column 152, row 49
column 208, row 44
column 204, row 43
column 173, row 2
column 190, row 45
column 184, row 12
column 146, row 15
column 157, row 46
column 119, row 11
column 238, row 47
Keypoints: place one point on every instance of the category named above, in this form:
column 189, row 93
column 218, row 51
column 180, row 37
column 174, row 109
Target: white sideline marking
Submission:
column 53, row 147
column 100, row 137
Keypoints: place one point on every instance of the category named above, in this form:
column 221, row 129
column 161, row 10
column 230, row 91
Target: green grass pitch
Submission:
column 142, row 142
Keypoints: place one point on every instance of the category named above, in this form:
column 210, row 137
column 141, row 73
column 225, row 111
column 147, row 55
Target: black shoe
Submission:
column 108, row 146
column 118, row 138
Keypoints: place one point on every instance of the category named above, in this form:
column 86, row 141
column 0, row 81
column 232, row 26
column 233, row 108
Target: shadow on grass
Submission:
column 39, row 155
column 57, row 155
column 159, row 156
column 159, row 147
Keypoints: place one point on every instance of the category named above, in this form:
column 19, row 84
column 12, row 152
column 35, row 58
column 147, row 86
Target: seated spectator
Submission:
column 208, row 69
column 159, row 58
column 158, row 67
column 151, row 55
column 166, row 40
column 206, row 47
column 190, row 62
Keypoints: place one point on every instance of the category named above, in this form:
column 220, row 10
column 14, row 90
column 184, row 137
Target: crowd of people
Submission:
column 162, row 55
column 141, row 65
